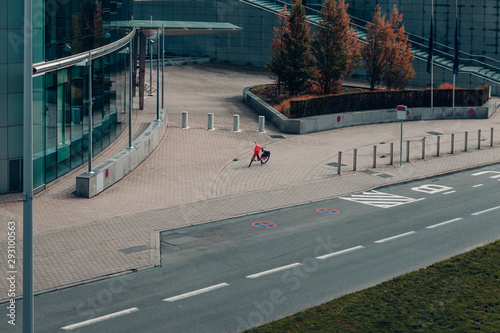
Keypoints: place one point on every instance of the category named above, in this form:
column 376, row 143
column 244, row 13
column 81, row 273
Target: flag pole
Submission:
column 432, row 55
column 455, row 60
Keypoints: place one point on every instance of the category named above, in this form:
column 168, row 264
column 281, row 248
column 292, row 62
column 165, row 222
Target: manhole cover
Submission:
column 384, row 175
column 435, row 133
column 335, row 164
column 133, row 249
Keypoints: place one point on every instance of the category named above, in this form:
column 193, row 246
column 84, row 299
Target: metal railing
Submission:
column 468, row 62
column 54, row 65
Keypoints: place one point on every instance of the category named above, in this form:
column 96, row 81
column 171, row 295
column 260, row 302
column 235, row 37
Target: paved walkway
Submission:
column 197, row 176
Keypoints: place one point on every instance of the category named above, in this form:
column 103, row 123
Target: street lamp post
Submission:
column 163, row 66
column 28, row 298
column 130, row 99
column 91, row 125
column 151, row 67
column 158, row 76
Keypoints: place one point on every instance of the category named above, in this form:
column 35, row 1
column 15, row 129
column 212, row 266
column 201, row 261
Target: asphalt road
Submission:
column 231, row 275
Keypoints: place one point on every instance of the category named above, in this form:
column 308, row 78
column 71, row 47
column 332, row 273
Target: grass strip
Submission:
column 461, row 294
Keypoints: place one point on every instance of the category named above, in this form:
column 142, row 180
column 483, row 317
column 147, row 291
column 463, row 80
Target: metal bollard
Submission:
column 491, row 137
column 478, row 139
column 438, row 144
column 374, row 157
column 236, row 123
column 339, row 166
column 185, row 120
column 392, row 154
column 407, row 150
column 354, row 159
column 423, row 148
column 262, row 124
column 452, row 143
column 466, row 139
column 211, row 122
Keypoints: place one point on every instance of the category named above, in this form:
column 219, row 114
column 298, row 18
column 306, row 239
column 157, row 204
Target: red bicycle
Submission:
column 260, row 154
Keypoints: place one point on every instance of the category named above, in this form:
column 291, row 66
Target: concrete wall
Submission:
column 117, row 167
column 348, row 119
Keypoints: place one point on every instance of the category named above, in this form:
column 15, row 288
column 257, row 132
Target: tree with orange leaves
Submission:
column 335, row 47
column 375, row 52
column 399, row 70
column 294, row 59
column 277, row 63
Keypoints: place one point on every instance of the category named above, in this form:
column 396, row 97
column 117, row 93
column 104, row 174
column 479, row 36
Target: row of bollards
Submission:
column 423, row 141
column 236, row 122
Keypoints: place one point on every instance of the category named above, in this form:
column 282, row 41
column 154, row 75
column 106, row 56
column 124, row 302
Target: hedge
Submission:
column 375, row 100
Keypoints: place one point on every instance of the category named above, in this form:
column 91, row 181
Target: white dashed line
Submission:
column 443, row 223
column 485, row 211
column 99, row 319
column 326, row 256
column 196, row 292
column 271, row 271
column 394, row 237
column 478, row 185
column 449, row 192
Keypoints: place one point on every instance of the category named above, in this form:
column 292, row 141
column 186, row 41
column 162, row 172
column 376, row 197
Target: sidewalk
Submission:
column 197, row 176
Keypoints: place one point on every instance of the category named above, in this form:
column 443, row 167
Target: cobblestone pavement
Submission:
column 197, row 176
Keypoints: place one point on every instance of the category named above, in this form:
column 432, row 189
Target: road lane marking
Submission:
column 380, row 199
column 274, row 270
column 478, row 185
column 99, row 319
column 443, row 223
column 484, row 172
column 485, row 211
column 449, row 192
column 329, row 255
column 196, row 292
column 394, row 237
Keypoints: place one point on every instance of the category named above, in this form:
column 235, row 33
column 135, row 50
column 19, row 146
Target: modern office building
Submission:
column 61, row 28
column 65, row 28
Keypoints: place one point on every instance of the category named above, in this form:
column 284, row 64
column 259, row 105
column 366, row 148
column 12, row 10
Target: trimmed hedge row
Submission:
column 375, row 100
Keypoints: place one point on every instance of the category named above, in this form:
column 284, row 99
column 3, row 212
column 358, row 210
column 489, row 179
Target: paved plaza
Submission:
column 196, row 176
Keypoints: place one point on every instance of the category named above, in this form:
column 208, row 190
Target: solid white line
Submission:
column 394, row 237
column 326, row 256
column 99, row 319
column 443, row 223
column 449, row 192
column 274, row 270
column 196, row 292
column 477, row 185
column 485, row 211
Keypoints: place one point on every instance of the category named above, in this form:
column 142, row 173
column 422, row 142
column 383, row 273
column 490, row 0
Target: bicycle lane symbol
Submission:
column 327, row 211
column 264, row 225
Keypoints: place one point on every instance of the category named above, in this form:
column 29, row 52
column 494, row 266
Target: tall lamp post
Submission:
column 88, row 62
column 158, row 76
column 28, row 297
column 151, row 42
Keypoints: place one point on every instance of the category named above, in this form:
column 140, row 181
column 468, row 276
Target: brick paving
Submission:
column 197, row 176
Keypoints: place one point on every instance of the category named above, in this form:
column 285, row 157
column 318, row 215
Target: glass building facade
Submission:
column 67, row 27
column 61, row 28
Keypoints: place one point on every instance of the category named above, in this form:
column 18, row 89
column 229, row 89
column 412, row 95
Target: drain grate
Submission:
column 276, row 136
column 384, row 175
column 435, row 133
column 133, row 249
column 180, row 240
column 335, row 164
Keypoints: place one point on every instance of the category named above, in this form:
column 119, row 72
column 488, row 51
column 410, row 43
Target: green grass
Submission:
column 456, row 295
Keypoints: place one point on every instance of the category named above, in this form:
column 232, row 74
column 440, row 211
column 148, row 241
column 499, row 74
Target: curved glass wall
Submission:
column 80, row 25
column 67, row 112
